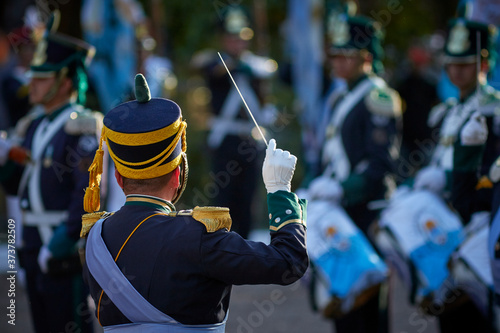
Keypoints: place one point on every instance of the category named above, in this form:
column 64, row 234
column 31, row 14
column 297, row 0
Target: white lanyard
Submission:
column 32, row 173
column 222, row 124
column 334, row 153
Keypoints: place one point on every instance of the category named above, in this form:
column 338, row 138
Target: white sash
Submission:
column 336, row 95
column 453, row 121
column 222, row 124
column 31, row 175
column 334, row 154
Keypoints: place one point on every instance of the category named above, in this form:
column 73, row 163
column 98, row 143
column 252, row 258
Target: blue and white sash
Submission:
column 143, row 315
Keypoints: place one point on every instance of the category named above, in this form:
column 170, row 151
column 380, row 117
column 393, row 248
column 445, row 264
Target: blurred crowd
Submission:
column 382, row 135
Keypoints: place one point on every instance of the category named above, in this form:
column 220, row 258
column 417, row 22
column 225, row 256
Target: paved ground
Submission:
column 253, row 309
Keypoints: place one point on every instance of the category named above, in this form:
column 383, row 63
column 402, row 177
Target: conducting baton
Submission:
column 243, row 99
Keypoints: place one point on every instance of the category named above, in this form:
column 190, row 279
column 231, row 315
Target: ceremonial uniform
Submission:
column 51, row 174
column 230, row 140
column 51, row 200
column 151, row 268
column 361, row 140
column 186, row 270
column 458, row 169
column 467, row 188
column 466, row 168
column 361, row 145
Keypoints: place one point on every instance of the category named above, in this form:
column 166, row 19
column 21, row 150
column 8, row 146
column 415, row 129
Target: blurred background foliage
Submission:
column 183, row 28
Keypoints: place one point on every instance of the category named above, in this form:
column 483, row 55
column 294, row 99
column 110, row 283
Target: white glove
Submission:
column 475, row 131
column 5, row 146
column 278, row 169
column 431, row 178
column 43, row 259
column 494, row 173
column 326, row 188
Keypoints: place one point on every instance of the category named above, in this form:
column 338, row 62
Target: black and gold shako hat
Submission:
column 146, row 138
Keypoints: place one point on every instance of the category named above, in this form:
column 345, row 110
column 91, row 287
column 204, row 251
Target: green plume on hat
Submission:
column 142, row 93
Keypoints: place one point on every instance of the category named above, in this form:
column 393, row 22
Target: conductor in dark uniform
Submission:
column 49, row 172
column 151, row 268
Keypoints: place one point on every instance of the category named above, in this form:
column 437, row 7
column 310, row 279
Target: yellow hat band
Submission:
column 142, row 139
column 154, row 166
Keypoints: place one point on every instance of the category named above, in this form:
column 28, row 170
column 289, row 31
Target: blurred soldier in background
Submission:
column 455, row 171
column 469, row 144
column 50, row 168
column 236, row 153
column 361, row 142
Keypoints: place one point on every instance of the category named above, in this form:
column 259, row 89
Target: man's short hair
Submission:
column 146, row 185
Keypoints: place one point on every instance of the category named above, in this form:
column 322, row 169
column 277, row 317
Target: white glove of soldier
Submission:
column 431, row 178
column 5, row 146
column 326, row 188
column 43, row 259
column 475, row 131
column 278, row 168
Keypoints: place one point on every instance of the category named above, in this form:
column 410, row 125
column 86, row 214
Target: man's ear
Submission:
column 119, row 179
column 175, row 181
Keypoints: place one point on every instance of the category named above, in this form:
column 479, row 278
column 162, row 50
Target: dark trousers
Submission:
column 57, row 304
column 371, row 317
column 236, row 169
column 465, row 318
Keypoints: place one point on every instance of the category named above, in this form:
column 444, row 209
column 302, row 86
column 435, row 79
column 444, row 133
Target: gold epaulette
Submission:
column 384, row 101
column 214, row 218
column 89, row 219
column 84, row 122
